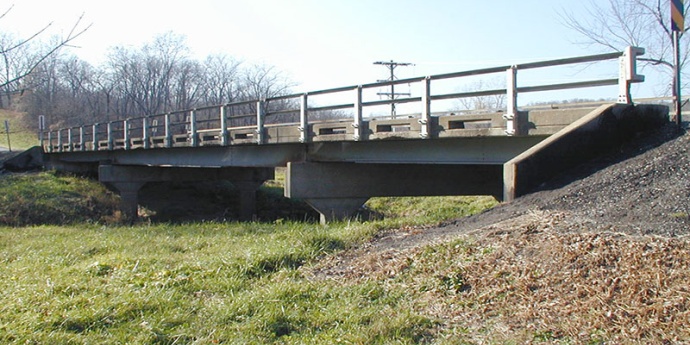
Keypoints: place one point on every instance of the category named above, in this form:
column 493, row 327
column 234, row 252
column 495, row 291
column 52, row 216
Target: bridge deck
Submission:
column 476, row 139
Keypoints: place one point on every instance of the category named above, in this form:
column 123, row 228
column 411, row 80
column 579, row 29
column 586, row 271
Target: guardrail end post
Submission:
column 357, row 121
column 511, row 114
column 425, row 120
column 628, row 73
column 303, row 119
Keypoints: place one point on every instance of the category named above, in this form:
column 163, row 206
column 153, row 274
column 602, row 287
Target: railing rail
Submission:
column 249, row 119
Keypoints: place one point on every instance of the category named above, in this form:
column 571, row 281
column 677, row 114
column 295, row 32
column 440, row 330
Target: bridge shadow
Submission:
column 188, row 202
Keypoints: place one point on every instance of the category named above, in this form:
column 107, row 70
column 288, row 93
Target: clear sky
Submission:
column 327, row 43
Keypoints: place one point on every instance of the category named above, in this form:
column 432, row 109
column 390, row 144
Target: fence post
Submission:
column 146, row 142
column 260, row 115
column 303, row 119
column 41, row 129
column 425, row 120
column 168, row 132
column 511, row 115
column 193, row 137
column 357, row 123
column 224, row 127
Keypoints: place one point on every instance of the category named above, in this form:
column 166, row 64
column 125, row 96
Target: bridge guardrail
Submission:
column 290, row 118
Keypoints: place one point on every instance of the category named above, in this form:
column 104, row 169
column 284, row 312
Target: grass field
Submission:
column 202, row 283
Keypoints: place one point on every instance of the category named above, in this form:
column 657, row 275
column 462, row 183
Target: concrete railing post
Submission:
column 94, row 137
column 193, row 137
column 168, row 131
column 82, row 147
column 224, row 135
column 110, row 135
column 145, row 140
column 511, row 114
column 59, row 140
column 50, row 141
column 303, row 119
column 125, row 135
column 260, row 117
column 70, row 145
column 425, row 120
column 357, row 121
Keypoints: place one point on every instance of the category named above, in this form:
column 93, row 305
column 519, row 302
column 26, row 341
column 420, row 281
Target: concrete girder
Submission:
column 337, row 190
column 479, row 150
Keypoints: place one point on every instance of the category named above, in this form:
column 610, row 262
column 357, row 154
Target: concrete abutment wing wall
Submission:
column 607, row 126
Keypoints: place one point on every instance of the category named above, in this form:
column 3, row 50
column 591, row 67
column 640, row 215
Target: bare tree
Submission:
column 221, row 84
column 483, row 103
column 616, row 24
column 157, row 78
column 19, row 57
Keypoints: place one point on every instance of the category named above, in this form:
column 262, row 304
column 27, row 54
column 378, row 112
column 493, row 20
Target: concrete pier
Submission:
column 128, row 180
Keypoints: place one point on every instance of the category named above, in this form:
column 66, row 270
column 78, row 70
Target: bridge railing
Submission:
column 298, row 118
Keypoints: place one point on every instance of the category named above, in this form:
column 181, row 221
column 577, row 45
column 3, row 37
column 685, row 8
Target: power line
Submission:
column 391, row 65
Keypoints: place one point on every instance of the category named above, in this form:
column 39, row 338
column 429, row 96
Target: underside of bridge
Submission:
column 337, row 177
column 337, row 190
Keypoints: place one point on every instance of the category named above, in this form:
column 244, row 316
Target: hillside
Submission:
column 599, row 254
column 21, row 137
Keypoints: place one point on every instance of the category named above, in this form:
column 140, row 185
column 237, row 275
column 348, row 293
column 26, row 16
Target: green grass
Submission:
column 208, row 283
column 202, row 283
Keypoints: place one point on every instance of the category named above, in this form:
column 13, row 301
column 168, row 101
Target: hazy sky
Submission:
column 327, row 43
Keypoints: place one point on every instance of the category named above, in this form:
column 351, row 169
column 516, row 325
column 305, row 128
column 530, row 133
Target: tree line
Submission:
column 158, row 77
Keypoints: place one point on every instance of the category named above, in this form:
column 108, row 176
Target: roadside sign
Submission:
column 677, row 15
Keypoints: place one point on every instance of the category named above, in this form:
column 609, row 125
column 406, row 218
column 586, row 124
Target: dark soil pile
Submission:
column 642, row 189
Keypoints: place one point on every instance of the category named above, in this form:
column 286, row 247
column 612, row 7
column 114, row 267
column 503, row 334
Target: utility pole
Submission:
column 391, row 66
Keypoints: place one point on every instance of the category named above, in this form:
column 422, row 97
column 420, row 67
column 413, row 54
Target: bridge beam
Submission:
column 129, row 179
column 338, row 190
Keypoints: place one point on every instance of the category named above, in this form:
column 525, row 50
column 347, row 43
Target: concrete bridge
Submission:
column 335, row 163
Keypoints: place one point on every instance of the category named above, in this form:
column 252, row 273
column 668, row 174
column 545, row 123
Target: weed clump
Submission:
column 50, row 198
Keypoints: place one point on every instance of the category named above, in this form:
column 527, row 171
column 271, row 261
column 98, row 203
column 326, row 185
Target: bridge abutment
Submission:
column 128, row 180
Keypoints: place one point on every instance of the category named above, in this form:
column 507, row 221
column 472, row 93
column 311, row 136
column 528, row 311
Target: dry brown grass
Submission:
column 526, row 280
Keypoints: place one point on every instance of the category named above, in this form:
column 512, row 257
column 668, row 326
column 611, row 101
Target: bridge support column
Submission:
column 129, row 198
column 247, row 191
column 336, row 209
